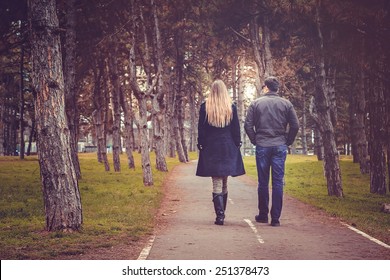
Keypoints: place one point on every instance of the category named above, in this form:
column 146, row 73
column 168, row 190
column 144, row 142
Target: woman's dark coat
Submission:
column 219, row 154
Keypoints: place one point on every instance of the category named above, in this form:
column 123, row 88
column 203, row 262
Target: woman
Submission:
column 219, row 143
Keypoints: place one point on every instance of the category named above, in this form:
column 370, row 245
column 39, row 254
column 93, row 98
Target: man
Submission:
column 265, row 125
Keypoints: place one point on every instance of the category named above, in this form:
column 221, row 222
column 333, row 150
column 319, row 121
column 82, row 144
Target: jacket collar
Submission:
column 271, row 93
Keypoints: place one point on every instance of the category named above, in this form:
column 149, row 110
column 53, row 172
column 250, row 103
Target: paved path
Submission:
column 187, row 230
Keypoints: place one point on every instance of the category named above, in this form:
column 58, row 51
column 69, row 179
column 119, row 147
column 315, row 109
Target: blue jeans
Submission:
column 268, row 158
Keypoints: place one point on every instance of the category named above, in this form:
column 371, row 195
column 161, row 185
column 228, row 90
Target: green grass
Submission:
column 305, row 181
column 117, row 208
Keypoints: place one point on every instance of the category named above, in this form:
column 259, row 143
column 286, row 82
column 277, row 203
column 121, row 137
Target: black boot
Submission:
column 219, row 208
column 225, row 197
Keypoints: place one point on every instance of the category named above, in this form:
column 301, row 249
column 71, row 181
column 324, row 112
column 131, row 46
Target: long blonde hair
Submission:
column 219, row 105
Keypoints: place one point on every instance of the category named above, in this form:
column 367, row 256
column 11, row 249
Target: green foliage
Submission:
column 305, row 181
column 117, row 208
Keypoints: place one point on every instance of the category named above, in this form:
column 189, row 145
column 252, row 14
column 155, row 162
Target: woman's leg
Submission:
column 218, row 200
column 224, row 191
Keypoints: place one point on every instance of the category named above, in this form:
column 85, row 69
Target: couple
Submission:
column 219, row 143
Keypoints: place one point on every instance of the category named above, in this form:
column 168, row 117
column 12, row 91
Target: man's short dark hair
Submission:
column 272, row 83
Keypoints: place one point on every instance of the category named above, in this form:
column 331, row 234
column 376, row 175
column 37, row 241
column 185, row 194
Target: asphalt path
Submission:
column 186, row 230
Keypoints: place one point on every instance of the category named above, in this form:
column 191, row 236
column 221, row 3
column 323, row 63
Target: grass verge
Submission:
column 305, row 181
column 117, row 209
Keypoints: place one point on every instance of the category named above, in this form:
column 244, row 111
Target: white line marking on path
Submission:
column 367, row 236
column 252, row 226
column 146, row 250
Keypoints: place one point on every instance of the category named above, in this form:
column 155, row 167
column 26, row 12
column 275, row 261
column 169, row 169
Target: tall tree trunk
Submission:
column 234, row 62
column 268, row 64
column 21, row 110
column 303, row 123
column 31, row 136
column 318, row 146
column 193, row 118
column 377, row 134
column 158, row 104
column 144, row 138
column 14, row 129
column 182, row 129
column 99, row 114
column 358, row 115
column 129, row 132
column 2, row 126
column 258, row 82
column 324, row 117
column 59, row 179
column 115, row 101
column 142, row 97
column 172, row 121
column 330, row 82
column 71, row 105
column 178, row 130
column 261, row 43
column 257, row 51
column 178, row 112
column 241, row 97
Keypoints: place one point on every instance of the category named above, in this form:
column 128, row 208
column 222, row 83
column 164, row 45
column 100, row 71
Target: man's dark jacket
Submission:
column 267, row 120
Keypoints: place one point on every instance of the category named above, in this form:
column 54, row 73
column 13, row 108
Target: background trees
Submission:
column 331, row 57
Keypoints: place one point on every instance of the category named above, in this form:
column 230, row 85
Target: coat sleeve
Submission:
column 201, row 126
column 235, row 127
column 249, row 125
column 293, row 126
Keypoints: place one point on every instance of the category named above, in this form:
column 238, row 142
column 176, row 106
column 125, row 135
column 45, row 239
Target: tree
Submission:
column 100, row 112
column 158, row 103
column 142, row 98
column 71, row 105
column 115, row 88
column 323, row 115
column 128, row 116
column 59, row 179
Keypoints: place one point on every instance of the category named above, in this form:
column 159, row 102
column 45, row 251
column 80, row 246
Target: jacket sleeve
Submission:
column 201, row 126
column 235, row 127
column 293, row 126
column 249, row 125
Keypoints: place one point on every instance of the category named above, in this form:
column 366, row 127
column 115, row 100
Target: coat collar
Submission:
column 271, row 93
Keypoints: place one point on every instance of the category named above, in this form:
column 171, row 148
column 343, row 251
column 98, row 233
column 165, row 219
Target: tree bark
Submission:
column 2, row 127
column 261, row 45
column 268, row 63
column 158, row 104
column 377, row 135
column 324, row 117
column 71, row 105
column 178, row 127
column 99, row 115
column 144, row 138
column 115, row 101
column 257, row 51
column 129, row 132
column 193, row 118
column 21, row 110
column 172, row 121
column 31, row 136
column 241, row 97
column 358, row 115
column 303, row 123
column 143, row 132
column 58, row 175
